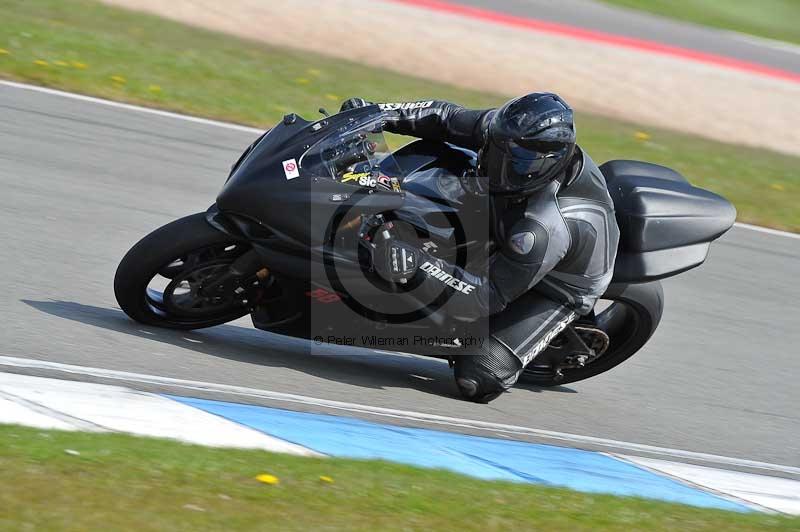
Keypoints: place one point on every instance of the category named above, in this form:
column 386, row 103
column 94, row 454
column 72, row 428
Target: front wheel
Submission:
column 164, row 280
column 630, row 318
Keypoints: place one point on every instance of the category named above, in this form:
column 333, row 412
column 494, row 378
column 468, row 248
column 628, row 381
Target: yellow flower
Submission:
column 641, row 135
column 3, row 51
column 154, row 88
column 327, row 479
column 302, row 81
column 79, row 65
column 61, row 63
column 41, row 62
column 267, row 479
column 332, row 97
column 118, row 79
column 777, row 186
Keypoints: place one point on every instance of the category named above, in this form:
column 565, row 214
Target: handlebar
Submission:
column 345, row 155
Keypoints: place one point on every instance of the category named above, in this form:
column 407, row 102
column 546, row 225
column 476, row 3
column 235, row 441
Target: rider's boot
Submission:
column 487, row 372
column 518, row 334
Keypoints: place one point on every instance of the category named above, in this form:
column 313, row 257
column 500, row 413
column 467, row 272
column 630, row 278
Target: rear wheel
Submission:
column 629, row 321
column 166, row 279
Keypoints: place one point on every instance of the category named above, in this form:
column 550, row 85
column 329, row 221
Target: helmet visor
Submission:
column 519, row 169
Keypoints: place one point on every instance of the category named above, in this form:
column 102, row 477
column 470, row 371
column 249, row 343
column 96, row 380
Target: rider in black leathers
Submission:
column 552, row 217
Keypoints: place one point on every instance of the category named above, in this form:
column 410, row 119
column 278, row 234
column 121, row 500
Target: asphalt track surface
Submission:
column 81, row 182
column 605, row 18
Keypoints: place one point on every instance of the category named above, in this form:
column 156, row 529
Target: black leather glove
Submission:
column 353, row 103
column 395, row 261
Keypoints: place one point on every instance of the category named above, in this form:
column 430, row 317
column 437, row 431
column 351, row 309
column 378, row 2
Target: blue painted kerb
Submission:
column 486, row 458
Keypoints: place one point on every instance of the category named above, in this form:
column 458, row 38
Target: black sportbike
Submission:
column 289, row 242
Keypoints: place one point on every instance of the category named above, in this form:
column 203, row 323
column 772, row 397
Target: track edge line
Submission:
column 11, row 361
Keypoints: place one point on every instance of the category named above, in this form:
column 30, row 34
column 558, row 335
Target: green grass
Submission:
column 121, row 482
column 85, row 47
column 774, row 19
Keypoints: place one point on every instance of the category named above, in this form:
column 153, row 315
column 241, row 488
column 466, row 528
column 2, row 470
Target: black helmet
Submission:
column 530, row 142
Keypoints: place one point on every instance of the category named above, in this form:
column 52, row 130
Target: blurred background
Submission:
column 709, row 88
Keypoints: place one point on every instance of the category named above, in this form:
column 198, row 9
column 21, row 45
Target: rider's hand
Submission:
column 353, row 103
column 395, row 261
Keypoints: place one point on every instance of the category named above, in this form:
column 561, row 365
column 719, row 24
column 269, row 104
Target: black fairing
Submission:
column 299, row 209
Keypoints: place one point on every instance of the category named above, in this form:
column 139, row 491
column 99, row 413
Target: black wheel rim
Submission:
column 619, row 321
column 182, row 291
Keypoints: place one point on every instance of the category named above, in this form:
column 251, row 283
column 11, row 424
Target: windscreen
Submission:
column 355, row 154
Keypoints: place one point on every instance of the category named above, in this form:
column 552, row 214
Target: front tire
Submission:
column 182, row 254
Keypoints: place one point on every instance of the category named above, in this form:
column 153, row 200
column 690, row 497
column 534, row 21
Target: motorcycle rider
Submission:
column 551, row 217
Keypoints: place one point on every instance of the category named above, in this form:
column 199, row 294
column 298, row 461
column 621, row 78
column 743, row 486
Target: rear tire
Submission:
column 156, row 254
column 629, row 321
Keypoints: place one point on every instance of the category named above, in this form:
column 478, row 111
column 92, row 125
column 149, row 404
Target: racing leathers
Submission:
column 554, row 255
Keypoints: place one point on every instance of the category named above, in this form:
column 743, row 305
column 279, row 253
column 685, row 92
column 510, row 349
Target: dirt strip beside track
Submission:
column 647, row 88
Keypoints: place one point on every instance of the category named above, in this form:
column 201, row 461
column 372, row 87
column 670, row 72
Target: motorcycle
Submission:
column 288, row 242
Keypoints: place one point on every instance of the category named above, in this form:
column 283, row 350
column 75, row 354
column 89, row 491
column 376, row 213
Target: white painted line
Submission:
column 767, row 230
column 775, row 44
column 242, row 391
column 772, row 493
column 120, row 409
column 131, row 107
column 237, row 127
column 18, row 414
column 75, row 422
